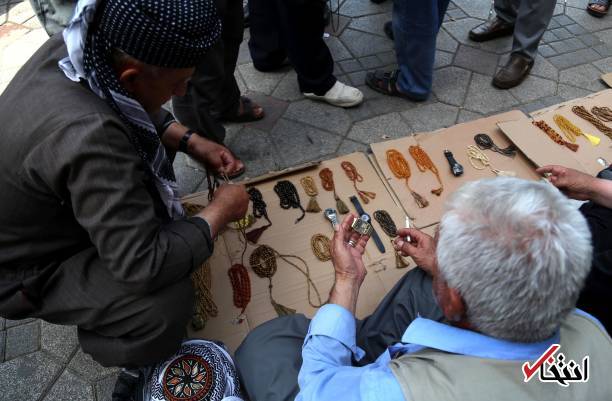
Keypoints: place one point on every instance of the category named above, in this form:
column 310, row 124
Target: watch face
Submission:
column 366, row 217
column 362, row 227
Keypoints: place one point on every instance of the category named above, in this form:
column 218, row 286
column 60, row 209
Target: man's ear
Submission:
column 452, row 304
column 127, row 78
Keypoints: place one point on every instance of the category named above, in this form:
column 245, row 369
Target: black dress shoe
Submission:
column 514, row 72
column 492, row 29
column 388, row 28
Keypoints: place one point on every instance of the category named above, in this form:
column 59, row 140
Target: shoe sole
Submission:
column 333, row 103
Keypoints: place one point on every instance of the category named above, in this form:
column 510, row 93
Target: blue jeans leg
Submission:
column 415, row 26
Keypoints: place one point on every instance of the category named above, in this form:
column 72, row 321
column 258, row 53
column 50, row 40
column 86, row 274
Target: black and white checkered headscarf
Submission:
column 163, row 33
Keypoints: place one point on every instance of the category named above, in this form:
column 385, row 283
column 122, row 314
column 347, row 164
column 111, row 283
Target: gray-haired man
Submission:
column 495, row 290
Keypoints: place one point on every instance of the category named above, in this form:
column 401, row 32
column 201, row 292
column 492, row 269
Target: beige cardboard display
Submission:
column 542, row 150
column 456, row 139
column 288, row 237
column 607, row 78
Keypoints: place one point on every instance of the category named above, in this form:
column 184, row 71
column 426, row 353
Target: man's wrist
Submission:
column 345, row 292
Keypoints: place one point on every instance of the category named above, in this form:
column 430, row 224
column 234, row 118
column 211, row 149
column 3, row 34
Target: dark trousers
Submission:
column 212, row 91
column 115, row 326
column 596, row 296
column 292, row 29
column 280, row 340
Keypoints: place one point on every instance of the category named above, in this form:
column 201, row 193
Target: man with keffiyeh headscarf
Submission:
column 93, row 233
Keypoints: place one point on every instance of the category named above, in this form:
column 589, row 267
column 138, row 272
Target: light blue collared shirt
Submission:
column 328, row 375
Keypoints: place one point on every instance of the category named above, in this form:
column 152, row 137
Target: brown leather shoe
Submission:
column 514, row 72
column 492, row 29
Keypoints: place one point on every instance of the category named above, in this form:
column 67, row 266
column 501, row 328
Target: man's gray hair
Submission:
column 518, row 252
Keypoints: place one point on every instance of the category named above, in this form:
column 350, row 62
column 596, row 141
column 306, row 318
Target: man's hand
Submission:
column 216, row 157
column 229, row 204
column 348, row 264
column 574, row 184
column 422, row 248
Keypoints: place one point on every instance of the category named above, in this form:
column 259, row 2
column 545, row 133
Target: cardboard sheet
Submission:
column 456, row 139
column 607, row 78
column 542, row 150
column 289, row 285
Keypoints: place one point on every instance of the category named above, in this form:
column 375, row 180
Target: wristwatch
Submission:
column 366, row 217
column 183, row 142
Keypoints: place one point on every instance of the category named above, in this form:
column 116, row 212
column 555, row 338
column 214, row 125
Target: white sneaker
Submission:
column 340, row 95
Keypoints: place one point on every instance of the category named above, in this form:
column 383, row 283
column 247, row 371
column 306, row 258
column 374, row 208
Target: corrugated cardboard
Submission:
column 289, row 238
column 543, row 151
column 607, row 78
column 456, row 139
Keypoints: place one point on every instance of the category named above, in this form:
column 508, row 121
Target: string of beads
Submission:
column 353, row 175
column 321, row 247
column 327, row 181
column 191, row 209
column 263, row 263
column 423, row 162
column 554, row 135
column 571, row 131
column 603, row 113
column 484, row 142
column 311, row 190
column 259, row 210
column 388, row 225
column 241, row 286
column 206, row 306
column 400, row 168
column 475, row 155
column 583, row 113
column 289, row 197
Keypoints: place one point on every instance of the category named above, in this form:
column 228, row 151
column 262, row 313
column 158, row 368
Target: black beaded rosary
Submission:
column 289, row 197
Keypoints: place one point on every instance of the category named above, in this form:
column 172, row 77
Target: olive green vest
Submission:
column 433, row 375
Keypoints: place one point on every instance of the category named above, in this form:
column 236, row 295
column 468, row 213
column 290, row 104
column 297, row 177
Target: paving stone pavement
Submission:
column 42, row 361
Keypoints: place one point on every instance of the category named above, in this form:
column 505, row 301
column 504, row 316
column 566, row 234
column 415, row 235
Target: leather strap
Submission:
column 183, row 143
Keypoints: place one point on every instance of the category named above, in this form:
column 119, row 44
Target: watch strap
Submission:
column 183, row 142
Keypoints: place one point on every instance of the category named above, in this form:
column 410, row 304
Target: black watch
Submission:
column 183, row 143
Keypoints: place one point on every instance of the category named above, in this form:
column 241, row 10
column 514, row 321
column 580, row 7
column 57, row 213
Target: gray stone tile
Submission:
column 498, row 46
column 298, row 143
column 357, row 78
column 582, row 76
column 379, row 128
column 445, row 42
column 575, row 29
column 459, row 29
column 27, row 377
column 359, row 8
column 450, row 85
column 104, row 388
column 562, row 33
column 604, row 50
column 430, row 117
column 563, row 20
column 574, row 58
column 257, row 81
column 387, row 104
column 370, row 62
column 590, row 23
column 363, row 44
column 337, row 26
column 605, row 36
column 605, row 64
column 475, row 8
column 371, row 23
column 12, row 323
column 2, row 345
column 288, row 88
column 568, row 92
column 85, row 367
column 456, row 14
column 70, row 387
column 590, row 40
column 187, row 178
column 255, row 149
column 2, row 323
column 361, row 112
column 244, row 55
column 534, row 88
column 443, row 59
column 350, row 65
column 387, row 57
column 59, row 341
column 466, row 115
column 541, row 103
column 484, row 98
column 543, row 68
column 568, row 45
column 337, row 49
column 23, row 339
column 320, row 115
column 549, row 37
column 274, row 109
column 546, row 51
column 476, row 60
column 347, row 146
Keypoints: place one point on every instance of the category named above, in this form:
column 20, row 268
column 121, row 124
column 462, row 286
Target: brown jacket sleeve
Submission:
column 92, row 165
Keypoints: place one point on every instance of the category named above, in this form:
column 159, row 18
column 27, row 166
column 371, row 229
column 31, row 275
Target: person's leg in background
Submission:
column 265, row 45
column 415, row 27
